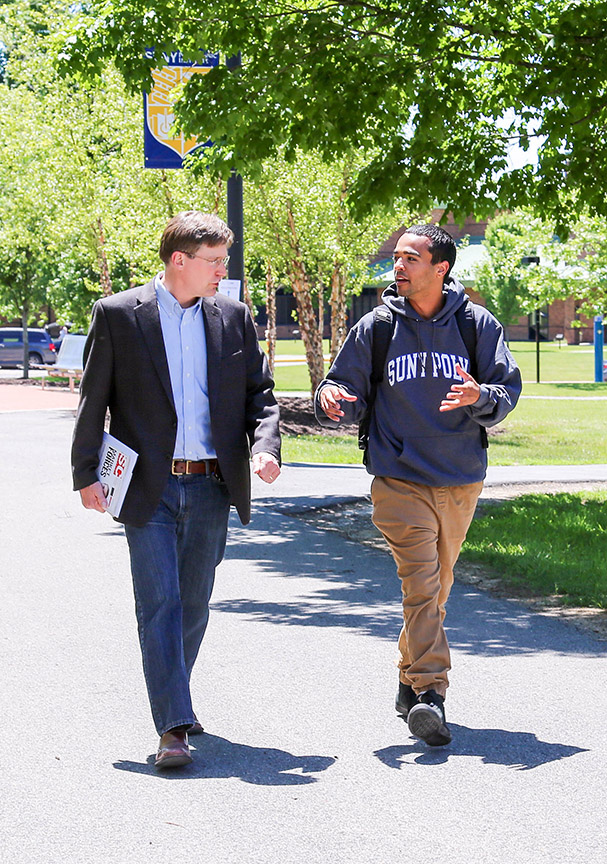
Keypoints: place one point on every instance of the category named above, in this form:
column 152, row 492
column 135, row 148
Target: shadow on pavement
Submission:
column 357, row 588
column 217, row 758
column 520, row 750
column 296, row 506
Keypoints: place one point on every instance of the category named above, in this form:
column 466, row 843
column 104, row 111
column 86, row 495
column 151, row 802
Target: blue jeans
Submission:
column 173, row 561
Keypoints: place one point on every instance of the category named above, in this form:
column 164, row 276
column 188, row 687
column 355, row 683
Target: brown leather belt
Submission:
column 202, row 466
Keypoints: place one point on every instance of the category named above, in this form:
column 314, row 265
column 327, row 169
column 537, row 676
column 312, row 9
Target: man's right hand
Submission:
column 93, row 497
column 330, row 396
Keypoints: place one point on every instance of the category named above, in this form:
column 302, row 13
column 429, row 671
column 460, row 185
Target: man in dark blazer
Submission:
column 188, row 388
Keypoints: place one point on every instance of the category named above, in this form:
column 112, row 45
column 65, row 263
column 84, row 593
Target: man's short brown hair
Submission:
column 188, row 230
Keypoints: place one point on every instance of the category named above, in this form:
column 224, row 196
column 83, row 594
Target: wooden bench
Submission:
column 69, row 361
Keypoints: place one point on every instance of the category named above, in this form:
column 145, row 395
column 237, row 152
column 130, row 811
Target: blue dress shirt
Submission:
column 186, row 349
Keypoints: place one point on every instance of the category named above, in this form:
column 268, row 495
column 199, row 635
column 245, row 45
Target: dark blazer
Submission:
column 126, row 371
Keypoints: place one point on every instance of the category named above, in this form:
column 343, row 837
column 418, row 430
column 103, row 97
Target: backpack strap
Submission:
column 380, row 342
column 466, row 322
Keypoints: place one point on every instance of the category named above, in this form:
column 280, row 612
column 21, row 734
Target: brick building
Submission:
column 555, row 319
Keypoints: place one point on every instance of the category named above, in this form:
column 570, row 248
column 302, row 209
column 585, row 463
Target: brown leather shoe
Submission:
column 173, row 751
column 196, row 729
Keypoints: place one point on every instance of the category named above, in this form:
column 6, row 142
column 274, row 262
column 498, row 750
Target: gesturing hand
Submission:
column 461, row 394
column 330, row 397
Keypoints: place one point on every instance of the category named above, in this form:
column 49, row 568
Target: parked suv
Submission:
column 41, row 346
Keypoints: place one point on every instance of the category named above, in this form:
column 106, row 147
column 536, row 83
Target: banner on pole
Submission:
column 162, row 148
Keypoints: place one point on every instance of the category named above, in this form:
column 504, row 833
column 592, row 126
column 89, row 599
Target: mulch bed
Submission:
column 297, row 418
column 21, row 382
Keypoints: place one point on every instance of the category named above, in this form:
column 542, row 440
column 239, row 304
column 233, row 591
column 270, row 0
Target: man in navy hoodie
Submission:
column 425, row 447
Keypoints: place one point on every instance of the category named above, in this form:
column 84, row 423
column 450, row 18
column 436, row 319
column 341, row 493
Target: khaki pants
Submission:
column 425, row 527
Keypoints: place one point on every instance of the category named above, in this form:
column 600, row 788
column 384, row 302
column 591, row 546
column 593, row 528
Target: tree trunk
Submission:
column 308, row 325
column 104, row 270
column 320, row 293
column 218, row 196
column 300, row 286
column 339, row 310
column 246, row 296
column 310, row 335
column 271, row 315
column 166, row 189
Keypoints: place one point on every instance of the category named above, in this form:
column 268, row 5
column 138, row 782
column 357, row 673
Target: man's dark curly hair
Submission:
column 442, row 245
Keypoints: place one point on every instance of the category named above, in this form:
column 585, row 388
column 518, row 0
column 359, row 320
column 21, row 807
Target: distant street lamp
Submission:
column 528, row 261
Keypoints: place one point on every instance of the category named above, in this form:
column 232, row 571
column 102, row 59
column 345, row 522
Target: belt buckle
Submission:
column 178, row 473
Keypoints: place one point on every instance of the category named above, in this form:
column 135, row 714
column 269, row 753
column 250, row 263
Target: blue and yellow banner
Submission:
column 162, row 148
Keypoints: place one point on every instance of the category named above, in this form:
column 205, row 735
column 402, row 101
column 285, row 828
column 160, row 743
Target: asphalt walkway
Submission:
column 304, row 759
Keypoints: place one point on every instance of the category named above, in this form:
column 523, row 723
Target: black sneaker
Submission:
column 405, row 699
column 427, row 719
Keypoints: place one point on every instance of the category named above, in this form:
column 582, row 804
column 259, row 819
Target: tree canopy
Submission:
column 78, row 212
column 441, row 91
column 575, row 267
column 509, row 287
column 297, row 220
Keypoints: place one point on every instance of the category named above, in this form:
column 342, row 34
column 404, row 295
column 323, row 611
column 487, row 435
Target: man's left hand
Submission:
column 266, row 467
column 461, row 394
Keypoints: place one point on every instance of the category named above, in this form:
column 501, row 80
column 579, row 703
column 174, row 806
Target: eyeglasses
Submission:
column 214, row 261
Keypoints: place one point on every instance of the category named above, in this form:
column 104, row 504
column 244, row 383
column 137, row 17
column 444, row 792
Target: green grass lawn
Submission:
column 295, row 347
column 545, row 545
column 539, row 431
column 565, row 364
column 539, row 544
column 552, row 432
column 293, row 378
column 322, row 449
column 572, row 390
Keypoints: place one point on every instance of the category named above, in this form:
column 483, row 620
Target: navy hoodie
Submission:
column 409, row 438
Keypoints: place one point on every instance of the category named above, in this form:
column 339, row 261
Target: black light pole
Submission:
column 236, row 223
column 526, row 262
column 235, row 210
column 537, row 345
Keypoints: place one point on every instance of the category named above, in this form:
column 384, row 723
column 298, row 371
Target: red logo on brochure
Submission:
column 120, row 465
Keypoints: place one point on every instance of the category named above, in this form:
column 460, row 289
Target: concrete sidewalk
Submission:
column 309, row 485
column 304, row 760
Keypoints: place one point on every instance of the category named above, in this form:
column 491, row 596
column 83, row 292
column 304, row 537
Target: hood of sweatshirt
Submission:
column 409, row 436
column 453, row 292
